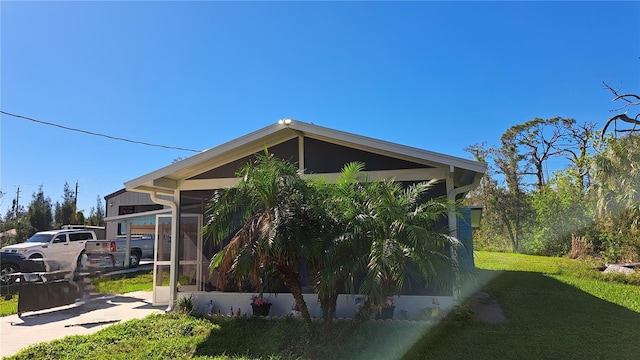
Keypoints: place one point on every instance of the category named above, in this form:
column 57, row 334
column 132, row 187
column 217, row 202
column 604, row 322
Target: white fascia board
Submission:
column 203, row 156
column 239, row 152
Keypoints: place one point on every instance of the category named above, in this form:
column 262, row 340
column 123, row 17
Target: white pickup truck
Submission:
column 61, row 249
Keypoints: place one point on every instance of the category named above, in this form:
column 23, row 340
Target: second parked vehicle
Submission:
column 112, row 253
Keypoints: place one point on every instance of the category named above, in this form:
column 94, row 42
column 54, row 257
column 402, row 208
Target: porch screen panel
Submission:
column 189, row 255
column 164, row 241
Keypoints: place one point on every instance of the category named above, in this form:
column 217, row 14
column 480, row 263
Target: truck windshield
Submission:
column 39, row 238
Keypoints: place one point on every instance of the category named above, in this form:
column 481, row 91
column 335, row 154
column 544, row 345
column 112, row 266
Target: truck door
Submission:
column 76, row 244
column 58, row 252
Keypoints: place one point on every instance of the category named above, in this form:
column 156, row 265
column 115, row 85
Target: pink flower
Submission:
column 259, row 300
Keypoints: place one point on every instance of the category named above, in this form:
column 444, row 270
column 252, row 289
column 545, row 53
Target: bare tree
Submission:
column 628, row 101
column 534, row 143
column 581, row 142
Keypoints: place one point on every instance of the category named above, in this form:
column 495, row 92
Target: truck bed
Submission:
column 111, row 253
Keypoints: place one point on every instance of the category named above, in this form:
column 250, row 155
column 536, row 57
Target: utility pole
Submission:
column 75, row 204
column 75, row 201
column 15, row 210
column 15, row 205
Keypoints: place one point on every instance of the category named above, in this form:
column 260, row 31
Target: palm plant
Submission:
column 378, row 237
column 406, row 241
column 263, row 219
column 335, row 257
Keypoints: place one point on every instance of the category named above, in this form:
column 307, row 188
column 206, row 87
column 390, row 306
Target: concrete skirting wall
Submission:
column 408, row 307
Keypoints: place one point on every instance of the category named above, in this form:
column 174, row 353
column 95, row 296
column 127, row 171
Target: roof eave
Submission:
column 153, row 181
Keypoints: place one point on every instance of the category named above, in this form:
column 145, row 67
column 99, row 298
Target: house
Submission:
column 185, row 187
column 134, row 208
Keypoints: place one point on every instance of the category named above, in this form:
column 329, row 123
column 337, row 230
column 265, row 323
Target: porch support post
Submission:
column 175, row 238
column 452, row 193
column 451, row 196
column 452, row 218
column 301, row 153
column 175, row 248
column 127, row 252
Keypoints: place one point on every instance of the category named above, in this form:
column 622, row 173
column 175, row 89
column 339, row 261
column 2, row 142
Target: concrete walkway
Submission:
column 81, row 318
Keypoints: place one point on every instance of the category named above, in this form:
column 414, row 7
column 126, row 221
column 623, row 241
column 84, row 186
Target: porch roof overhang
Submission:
column 166, row 180
column 130, row 217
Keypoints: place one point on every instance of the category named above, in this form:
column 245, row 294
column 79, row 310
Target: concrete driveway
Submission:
column 80, row 318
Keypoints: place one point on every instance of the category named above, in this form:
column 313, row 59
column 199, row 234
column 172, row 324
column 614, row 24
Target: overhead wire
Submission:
column 96, row 134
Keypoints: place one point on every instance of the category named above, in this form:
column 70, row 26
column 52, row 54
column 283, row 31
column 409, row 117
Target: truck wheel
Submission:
column 134, row 259
column 79, row 262
column 7, row 269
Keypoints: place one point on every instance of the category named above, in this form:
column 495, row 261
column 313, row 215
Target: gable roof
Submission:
column 167, row 178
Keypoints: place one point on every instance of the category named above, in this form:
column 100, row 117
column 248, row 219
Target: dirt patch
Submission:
column 487, row 308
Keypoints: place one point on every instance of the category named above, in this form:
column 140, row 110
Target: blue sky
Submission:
column 435, row 75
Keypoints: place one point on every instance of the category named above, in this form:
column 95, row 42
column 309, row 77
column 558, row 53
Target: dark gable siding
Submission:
column 439, row 189
column 287, row 150
column 325, row 157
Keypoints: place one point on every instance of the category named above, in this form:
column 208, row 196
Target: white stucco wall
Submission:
column 408, row 307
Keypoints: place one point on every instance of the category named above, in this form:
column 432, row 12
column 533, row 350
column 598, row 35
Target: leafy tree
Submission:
column 503, row 194
column 96, row 215
column 491, row 235
column 2, row 194
column 39, row 211
column 618, row 175
column 562, row 212
column 80, row 218
column 15, row 212
column 617, row 178
column 65, row 213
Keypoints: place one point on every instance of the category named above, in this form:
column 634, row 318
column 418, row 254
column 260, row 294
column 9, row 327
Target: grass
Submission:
column 8, row 307
column 178, row 336
column 125, row 283
column 557, row 309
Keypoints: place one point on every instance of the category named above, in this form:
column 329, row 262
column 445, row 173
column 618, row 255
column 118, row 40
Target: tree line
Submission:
column 42, row 214
column 588, row 207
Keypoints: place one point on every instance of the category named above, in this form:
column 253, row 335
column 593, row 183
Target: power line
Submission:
column 97, row 134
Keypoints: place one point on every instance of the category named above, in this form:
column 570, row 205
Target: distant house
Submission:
column 175, row 197
column 126, row 207
column 9, row 233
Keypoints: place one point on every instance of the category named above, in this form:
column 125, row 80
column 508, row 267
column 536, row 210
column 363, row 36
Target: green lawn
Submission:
column 130, row 282
column 557, row 309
